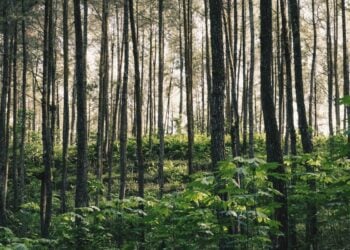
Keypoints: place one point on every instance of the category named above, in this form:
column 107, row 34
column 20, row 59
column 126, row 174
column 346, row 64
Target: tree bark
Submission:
column 81, row 194
column 138, row 95
column 311, row 223
column 329, row 72
column 115, row 108
column 207, row 65
column 244, row 79
column 313, row 65
column 4, row 93
column 46, row 194
column 251, row 80
column 124, row 103
column 336, row 78
column 217, row 98
column 290, row 133
column 103, row 95
column 235, row 130
column 150, row 88
column 234, row 116
column 346, row 73
column 273, row 142
column 160, row 98
column 65, row 132
column 24, row 109
column 187, row 12
column 14, row 118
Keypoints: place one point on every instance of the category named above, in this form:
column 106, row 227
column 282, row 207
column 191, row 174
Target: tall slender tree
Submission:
column 233, row 118
column 4, row 93
column 244, row 79
column 311, row 223
column 46, row 182
column 65, row 132
column 34, row 87
column 313, row 65
column 138, row 96
column 345, row 71
column 52, row 74
column 273, row 142
column 150, row 87
column 81, row 193
column 335, row 66
column 207, row 64
column 103, row 94
column 217, row 96
column 330, row 71
column 160, row 96
column 14, row 115
column 187, row 13
column 124, row 103
column 8, row 118
column 291, row 133
column 115, row 108
column 251, row 80
column 280, row 71
column 181, row 67
column 235, row 130
column 24, row 107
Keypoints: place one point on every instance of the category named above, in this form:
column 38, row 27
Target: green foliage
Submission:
column 345, row 100
column 8, row 241
column 191, row 214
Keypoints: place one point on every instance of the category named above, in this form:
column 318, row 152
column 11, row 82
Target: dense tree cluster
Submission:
column 233, row 115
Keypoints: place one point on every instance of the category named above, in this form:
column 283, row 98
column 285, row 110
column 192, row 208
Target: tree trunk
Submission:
column 207, row 65
column 154, row 110
column 235, row 131
column 24, row 109
column 202, row 91
column 336, row 79
column 329, row 72
column 187, row 12
column 280, row 71
column 217, row 118
column 14, row 119
column 73, row 123
column 290, row 133
column 311, row 224
column 34, row 87
column 234, row 117
column 150, row 89
column 218, row 99
column 346, row 73
column 65, row 132
column 138, row 95
column 160, row 97
column 168, row 120
column 273, row 142
column 7, row 126
column 4, row 93
column 103, row 94
column 313, row 65
column 115, row 108
column 124, row 107
column 251, row 80
column 81, row 194
column 244, row 78
column 46, row 195
column 52, row 76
